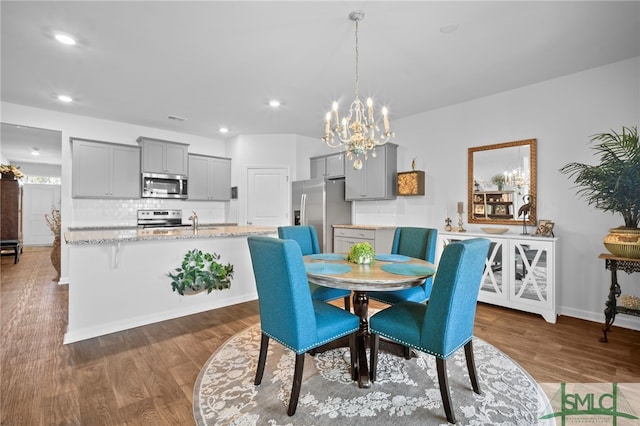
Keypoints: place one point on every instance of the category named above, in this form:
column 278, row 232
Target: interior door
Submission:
column 38, row 201
column 267, row 196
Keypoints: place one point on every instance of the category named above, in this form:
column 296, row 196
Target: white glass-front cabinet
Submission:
column 519, row 271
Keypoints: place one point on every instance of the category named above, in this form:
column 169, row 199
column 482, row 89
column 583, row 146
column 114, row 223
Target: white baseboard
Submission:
column 113, row 327
column 621, row 320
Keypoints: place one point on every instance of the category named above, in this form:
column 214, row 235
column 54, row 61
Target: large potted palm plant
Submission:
column 613, row 185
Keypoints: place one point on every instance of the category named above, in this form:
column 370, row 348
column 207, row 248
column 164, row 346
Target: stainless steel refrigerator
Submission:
column 321, row 203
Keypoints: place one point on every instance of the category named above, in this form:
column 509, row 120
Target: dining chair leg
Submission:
column 262, row 359
column 347, row 303
column 443, row 381
column 297, row 384
column 407, row 352
column 354, row 356
column 373, row 354
column 471, row 366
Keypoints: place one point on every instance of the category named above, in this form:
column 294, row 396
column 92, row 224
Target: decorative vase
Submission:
column 623, row 242
column 55, row 257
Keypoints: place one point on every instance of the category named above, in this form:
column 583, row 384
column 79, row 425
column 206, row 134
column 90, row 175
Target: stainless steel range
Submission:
column 164, row 218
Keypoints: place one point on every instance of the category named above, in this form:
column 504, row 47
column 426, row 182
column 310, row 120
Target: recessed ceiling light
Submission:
column 65, row 39
column 274, row 103
column 223, row 130
column 35, row 151
column 65, row 98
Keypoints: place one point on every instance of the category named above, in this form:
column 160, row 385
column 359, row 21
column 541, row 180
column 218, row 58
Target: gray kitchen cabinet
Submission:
column 380, row 237
column 377, row 180
column 209, row 178
column 165, row 157
column 104, row 170
column 327, row 166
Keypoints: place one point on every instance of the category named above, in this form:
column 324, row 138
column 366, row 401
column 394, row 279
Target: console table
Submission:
column 613, row 263
column 519, row 271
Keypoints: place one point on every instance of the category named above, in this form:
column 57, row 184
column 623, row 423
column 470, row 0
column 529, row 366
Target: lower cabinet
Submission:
column 519, row 272
column 380, row 237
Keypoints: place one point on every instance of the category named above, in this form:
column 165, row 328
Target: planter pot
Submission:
column 189, row 291
column 623, row 242
column 364, row 260
column 55, row 257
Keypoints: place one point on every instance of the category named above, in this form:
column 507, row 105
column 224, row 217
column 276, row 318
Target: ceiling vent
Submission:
column 176, row 118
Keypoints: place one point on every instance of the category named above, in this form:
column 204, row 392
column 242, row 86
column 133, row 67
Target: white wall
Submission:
column 277, row 151
column 40, row 169
column 561, row 114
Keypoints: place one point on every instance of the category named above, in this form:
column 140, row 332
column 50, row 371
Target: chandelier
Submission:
column 356, row 132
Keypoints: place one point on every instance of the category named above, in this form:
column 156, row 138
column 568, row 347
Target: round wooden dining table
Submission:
column 388, row 272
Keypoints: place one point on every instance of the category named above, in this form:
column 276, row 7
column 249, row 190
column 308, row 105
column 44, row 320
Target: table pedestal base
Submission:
column 360, row 365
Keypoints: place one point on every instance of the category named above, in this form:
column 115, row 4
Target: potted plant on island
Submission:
column 361, row 253
column 201, row 271
column 613, row 185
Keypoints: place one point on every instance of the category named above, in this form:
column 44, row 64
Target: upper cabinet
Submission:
column 327, row 166
column 104, row 170
column 209, row 178
column 166, row 157
column 377, row 180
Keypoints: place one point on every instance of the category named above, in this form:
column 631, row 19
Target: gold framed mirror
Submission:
column 502, row 183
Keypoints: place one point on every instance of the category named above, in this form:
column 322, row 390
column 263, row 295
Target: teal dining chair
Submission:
column 288, row 315
column 307, row 238
column 419, row 243
column 445, row 324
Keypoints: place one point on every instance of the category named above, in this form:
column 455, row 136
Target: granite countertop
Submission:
column 125, row 227
column 365, row 226
column 126, row 234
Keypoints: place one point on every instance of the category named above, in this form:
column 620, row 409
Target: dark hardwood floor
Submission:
column 145, row 376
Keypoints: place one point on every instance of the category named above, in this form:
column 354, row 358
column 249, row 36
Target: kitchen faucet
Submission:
column 194, row 219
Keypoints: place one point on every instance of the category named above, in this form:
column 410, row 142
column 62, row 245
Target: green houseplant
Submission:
column 613, row 186
column 361, row 253
column 201, row 271
column 499, row 181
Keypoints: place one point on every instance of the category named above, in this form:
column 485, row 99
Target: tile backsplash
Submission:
column 103, row 212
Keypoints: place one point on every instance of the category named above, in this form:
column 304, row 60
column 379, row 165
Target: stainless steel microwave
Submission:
column 156, row 185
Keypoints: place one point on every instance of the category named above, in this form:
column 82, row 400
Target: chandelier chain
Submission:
column 357, row 64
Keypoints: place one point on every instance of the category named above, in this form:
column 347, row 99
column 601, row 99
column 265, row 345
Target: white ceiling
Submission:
column 218, row 63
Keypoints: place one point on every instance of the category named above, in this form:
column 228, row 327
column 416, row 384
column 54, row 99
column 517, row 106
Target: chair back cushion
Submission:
column 415, row 242
column 286, row 310
column 305, row 236
column 450, row 314
column 419, row 243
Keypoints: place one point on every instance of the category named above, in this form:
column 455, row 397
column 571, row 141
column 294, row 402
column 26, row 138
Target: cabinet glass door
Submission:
column 530, row 270
column 493, row 278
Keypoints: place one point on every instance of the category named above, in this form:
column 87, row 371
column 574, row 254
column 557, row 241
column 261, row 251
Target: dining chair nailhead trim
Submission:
column 301, row 351
column 395, row 339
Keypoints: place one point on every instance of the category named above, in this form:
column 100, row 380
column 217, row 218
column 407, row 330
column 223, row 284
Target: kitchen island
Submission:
column 118, row 276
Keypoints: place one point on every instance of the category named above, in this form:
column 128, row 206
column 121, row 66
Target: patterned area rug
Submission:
column 406, row 391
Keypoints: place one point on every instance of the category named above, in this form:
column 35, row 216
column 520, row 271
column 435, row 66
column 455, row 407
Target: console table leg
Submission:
column 611, row 304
